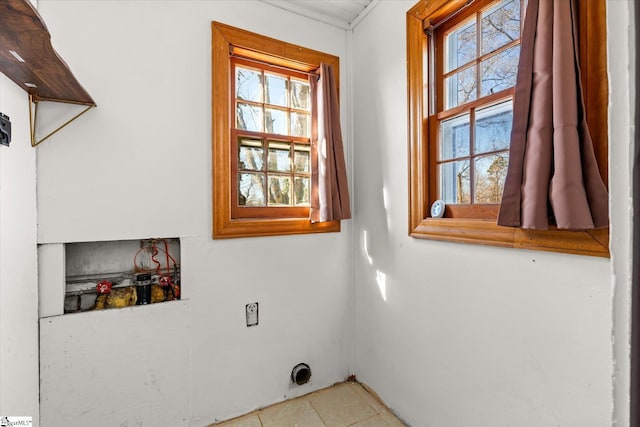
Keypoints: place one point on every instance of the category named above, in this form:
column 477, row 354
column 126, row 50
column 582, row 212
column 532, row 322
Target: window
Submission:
column 462, row 63
column 474, row 77
column 262, row 123
column 271, row 139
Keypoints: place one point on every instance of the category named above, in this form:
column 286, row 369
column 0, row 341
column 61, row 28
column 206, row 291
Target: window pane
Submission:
column 300, row 124
column 493, row 127
column 455, row 182
column 461, row 87
column 279, row 190
column 249, row 117
column 302, row 189
column 251, row 189
column 300, row 95
column 454, row 138
column 499, row 71
column 302, row 158
column 461, row 45
column 275, row 121
column 500, row 25
column 279, row 156
column 490, row 172
column 250, row 154
column 275, row 90
column 248, row 84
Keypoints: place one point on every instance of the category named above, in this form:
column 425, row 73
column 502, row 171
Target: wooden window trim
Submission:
column 592, row 28
column 225, row 40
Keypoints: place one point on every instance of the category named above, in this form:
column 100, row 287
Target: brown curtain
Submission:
column 329, row 190
column 553, row 176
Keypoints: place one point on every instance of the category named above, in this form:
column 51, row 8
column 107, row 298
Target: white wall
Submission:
column 442, row 342
column 455, row 335
column 139, row 166
column 18, row 262
column 622, row 86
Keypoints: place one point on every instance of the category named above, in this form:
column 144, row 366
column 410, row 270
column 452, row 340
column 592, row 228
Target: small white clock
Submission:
column 437, row 209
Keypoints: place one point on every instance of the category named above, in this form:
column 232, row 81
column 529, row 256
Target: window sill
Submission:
column 487, row 232
column 255, row 227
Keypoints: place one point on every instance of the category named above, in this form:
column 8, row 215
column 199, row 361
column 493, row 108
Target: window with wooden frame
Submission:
column 271, row 137
column 476, row 61
column 462, row 63
column 262, row 124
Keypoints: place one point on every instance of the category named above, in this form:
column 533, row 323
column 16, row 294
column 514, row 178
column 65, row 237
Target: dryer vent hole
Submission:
column 301, row 374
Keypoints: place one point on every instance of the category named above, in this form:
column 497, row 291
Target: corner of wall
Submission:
column 19, row 387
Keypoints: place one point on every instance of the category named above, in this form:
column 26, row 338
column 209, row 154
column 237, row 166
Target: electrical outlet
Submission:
column 5, row 130
column 252, row 313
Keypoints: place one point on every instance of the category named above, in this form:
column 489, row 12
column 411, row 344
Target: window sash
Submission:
column 437, row 83
column 267, row 210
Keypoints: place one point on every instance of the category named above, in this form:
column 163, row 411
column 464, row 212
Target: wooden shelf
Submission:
column 23, row 32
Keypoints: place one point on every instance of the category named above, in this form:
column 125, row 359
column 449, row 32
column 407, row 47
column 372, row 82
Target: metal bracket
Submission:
column 33, row 116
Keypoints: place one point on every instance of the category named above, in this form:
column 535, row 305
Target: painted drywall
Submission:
column 456, row 335
column 139, row 166
column 109, row 361
column 18, row 262
column 440, row 341
column 622, row 85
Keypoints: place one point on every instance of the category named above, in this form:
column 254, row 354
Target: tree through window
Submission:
column 476, row 65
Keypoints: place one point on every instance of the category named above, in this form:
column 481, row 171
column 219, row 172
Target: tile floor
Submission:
column 342, row 405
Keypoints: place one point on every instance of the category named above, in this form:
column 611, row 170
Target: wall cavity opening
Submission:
column 117, row 274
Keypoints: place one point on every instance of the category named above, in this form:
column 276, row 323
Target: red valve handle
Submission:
column 168, row 281
column 104, row 287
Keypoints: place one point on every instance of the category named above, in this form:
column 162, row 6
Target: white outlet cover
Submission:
column 252, row 313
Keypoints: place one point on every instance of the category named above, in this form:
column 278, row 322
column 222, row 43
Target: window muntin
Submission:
column 272, row 131
column 475, row 76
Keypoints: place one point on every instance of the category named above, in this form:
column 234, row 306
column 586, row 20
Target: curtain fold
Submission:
column 329, row 187
column 553, row 175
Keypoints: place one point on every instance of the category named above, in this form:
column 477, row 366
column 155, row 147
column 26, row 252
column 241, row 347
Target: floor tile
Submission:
column 376, row 421
column 391, row 419
column 369, row 397
column 246, row 421
column 294, row 413
column 373, row 399
column 340, row 406
column 347, row 404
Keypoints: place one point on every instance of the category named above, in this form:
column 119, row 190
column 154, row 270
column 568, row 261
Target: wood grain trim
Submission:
column 416, row 105
column 256, row 46
column 23, row 31
column 435, row 10
column 224, row 38
column 593, row 69
column 273, row 227
column 487, row 232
